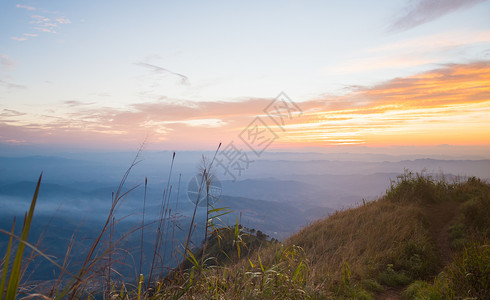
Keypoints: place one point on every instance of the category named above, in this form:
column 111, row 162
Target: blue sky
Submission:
column 60, row 57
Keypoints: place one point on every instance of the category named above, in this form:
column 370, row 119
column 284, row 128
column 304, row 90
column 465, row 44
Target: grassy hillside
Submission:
column 425, row 238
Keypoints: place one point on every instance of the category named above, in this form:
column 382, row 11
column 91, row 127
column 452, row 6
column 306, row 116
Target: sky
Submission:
column 187, row 75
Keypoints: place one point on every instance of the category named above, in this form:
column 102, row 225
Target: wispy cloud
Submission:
column 10, row 85
column 159, row 70
column 407, row 53
column 424, row 11
column 43, row 22
column 6, row 113
column 38, row 19
column 63, row 20
column 45, row 29
column 6, row 62
column 27, row 7
column 18, row 39
column 75, row 103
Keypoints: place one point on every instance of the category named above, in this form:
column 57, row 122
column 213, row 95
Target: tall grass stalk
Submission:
column 90, row 262
column 167, row 226
column 173, row 254
column 65, row 263
column 6, row 261
column 15, row 272
column 160, row 223
column 204, row 173
column 143, row 226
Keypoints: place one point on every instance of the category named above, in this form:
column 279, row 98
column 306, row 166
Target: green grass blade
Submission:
column 251, row 263
column 140, row 282
column 298, row 269
column 213, row 210
column 237, row 229
column 6, row 263
column 261, row 265
column 16, row 267
column 217, row 217
column 193, row 260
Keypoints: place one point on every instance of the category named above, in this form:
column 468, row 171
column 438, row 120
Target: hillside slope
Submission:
column 424, row 239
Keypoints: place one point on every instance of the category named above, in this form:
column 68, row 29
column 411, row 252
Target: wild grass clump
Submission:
column 226, row 245
column 472, row 187
column 284, row 278
column 417, row 188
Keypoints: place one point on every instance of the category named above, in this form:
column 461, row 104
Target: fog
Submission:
column 278, row 193
column 84, row 184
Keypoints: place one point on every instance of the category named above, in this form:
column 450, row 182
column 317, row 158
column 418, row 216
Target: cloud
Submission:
column 424, row 11
column 63, row 20
column 436, row 42
column 159, row 70
column 208, row 123
column 48, row 22
column 45, row 24
column 10, row 85
column 27, row 7
column 43, row 29
column 6, row 62
column 38, row 19
column 447, row 105
column 6, row 113
column 18, row 39
column 75, row 103
column 50, row 25
column 451, row 84
column 407, row 55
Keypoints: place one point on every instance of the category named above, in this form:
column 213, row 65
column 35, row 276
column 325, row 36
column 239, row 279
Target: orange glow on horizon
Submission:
column 445, row 106
column 450, row 105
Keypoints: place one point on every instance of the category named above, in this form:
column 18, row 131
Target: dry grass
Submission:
column 367, row 238
column 348, row 253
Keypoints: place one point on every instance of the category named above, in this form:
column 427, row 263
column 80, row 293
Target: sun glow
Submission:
column 450, row 105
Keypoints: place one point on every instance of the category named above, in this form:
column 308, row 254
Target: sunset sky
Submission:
column 191, row 74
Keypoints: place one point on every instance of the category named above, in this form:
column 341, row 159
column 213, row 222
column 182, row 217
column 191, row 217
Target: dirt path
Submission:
column 391, row 294
column 441, row 217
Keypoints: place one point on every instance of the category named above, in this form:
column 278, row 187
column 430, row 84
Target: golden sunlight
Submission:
column 449, row 105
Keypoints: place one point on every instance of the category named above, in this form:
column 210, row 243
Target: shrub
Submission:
column 390, row 277
column 476, row 212
column 422, row 290
column 457, row 235
column 420, row 260
column 372, row 285
column 417, row 188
